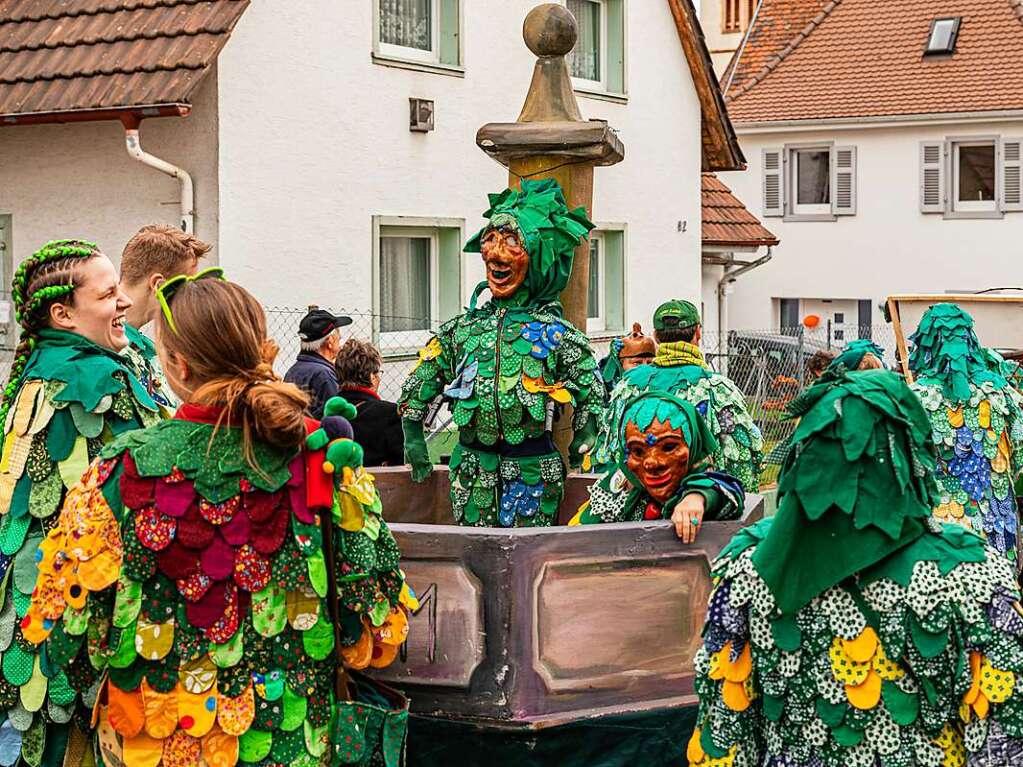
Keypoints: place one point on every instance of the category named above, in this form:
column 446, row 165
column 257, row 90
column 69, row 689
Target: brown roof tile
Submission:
column 778, row 22
column 726, row 220
column 863, row 58
column 60, row 56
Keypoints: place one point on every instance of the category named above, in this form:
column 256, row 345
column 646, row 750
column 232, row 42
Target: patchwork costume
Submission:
column 619, row 496
column 184, row 592
column 853, row 629
column 506, row 367
column 74, row 397
column 679, row 368
column 142, row 359
column 976, row 424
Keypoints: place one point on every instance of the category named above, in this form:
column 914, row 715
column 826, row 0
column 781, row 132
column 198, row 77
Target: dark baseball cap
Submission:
column 676, row 314
column 319, row 323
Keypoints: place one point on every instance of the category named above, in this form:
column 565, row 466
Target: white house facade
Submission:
column 311, row 180
column 884, row 148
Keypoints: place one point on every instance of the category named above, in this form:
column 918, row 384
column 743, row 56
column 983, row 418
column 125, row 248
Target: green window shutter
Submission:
column 449, row 267
column 449, row 33
column 616, row 46
column 614, row 280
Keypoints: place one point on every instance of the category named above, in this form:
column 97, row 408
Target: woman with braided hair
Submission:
column 70, row 391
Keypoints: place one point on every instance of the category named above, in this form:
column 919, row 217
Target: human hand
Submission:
column 688, row 516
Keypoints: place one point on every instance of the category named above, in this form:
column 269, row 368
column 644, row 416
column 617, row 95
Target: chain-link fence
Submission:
column 769, row 366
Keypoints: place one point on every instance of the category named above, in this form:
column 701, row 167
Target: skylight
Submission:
column 943, row 36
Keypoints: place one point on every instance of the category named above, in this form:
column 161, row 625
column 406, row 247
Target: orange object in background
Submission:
column 811, row 321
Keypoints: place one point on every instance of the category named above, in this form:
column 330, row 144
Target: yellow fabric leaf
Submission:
column 73, row 467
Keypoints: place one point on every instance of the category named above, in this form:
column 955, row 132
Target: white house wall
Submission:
column 889, row 246
column 77, row 180
column 314, row 142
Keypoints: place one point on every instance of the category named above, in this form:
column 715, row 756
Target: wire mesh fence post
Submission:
column 800, row 361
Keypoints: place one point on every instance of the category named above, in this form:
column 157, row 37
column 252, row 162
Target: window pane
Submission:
column 404, row 284
column 813, row 177
column 593, row 299
column 407, row 23
column 584, row 60
column 941, row 35
column 977, row 173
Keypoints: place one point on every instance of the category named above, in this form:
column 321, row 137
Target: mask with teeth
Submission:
column 506, row 259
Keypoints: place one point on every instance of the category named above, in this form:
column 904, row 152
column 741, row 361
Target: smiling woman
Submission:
column 70, row 391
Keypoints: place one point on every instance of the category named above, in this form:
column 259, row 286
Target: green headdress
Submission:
column 643, row 409
column 857, row 485
column 946, row 349
column 549, row 231
column 853, row 353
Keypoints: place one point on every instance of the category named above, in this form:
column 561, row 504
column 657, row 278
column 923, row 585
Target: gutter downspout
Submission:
column 724, row 288
column 134, row 146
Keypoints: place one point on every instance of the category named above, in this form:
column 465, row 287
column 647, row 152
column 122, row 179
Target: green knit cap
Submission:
column 857, row 486
column 946, row 351
column 549, row 230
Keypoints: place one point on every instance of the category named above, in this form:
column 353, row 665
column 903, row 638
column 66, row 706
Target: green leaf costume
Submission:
column 73, row 398
column 619, row 496
column 977, row 426
column 679, row 368
column 505, row 366
column 853, row 629
column 142, row 359
column 186, row 590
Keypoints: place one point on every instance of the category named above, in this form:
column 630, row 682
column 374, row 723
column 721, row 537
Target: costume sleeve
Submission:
column 577, row 368
column 609, row 449
column 374, row 601
column 434, row 370
column 742, row 445
column 74, row 606
column 722, row 493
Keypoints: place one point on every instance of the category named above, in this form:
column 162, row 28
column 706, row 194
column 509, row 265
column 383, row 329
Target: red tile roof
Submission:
column 864, row 58
column 60, row 56
column 778, row 22
column 726, row 222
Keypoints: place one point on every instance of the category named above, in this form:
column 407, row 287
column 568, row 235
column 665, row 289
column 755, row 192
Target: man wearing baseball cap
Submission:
column 679, row 369
column 313, row 370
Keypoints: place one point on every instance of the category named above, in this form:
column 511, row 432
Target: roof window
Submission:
column 942, row 38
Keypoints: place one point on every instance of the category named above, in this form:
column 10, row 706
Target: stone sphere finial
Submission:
column 550, row 30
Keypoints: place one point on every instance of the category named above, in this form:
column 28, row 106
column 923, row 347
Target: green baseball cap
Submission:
column 676, row 314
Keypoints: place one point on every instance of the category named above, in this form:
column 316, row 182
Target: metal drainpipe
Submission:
column 134, row 146
column 727, row 277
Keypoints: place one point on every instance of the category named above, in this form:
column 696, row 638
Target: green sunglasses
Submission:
column 166, row 291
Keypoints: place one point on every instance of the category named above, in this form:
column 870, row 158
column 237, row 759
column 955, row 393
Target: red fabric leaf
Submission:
column 261, row 505
column 178, row 562
column 210, row 607
column 218, row 513
column 269, row 536
column 136, row 491
column 194, row 587
column 251, row 569
column 237, row 605
column 218, row 559
column 174, row 498
column 154, row 528
column 194, row 531
column 236, row 532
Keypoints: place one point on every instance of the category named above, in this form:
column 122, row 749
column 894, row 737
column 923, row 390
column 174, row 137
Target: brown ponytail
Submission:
column 220, row 331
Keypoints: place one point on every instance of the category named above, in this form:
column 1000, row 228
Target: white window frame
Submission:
column 582, row 83
column 598, row 324
column 808, row 209
column 402, row 339
column 404, row 53
column 973, row 206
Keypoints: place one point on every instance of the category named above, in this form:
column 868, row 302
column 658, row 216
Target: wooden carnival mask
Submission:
column 658, row 457
column 506, row 259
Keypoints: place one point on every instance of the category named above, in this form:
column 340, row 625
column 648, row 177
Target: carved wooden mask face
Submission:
column 506, row 259
column 659, row 457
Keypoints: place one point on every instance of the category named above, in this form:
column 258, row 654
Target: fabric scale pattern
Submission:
column 74, row 398
column 185, row 594
column 503, row 370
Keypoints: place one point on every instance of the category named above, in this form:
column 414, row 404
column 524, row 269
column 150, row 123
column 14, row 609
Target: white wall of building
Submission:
column 314, row 142
column 889, row 246
column 77, row 180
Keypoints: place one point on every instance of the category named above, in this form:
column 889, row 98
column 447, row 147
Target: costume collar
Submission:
column 199, row 413
column 676, row 353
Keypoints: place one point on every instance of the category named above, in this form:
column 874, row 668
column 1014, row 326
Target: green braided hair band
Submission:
column 857, row 486
column 946, row 349
column 549, row 231
column 643, row 409
column 27, row 305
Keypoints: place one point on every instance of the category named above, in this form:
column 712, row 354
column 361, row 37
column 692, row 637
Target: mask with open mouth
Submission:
column 506, row 259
